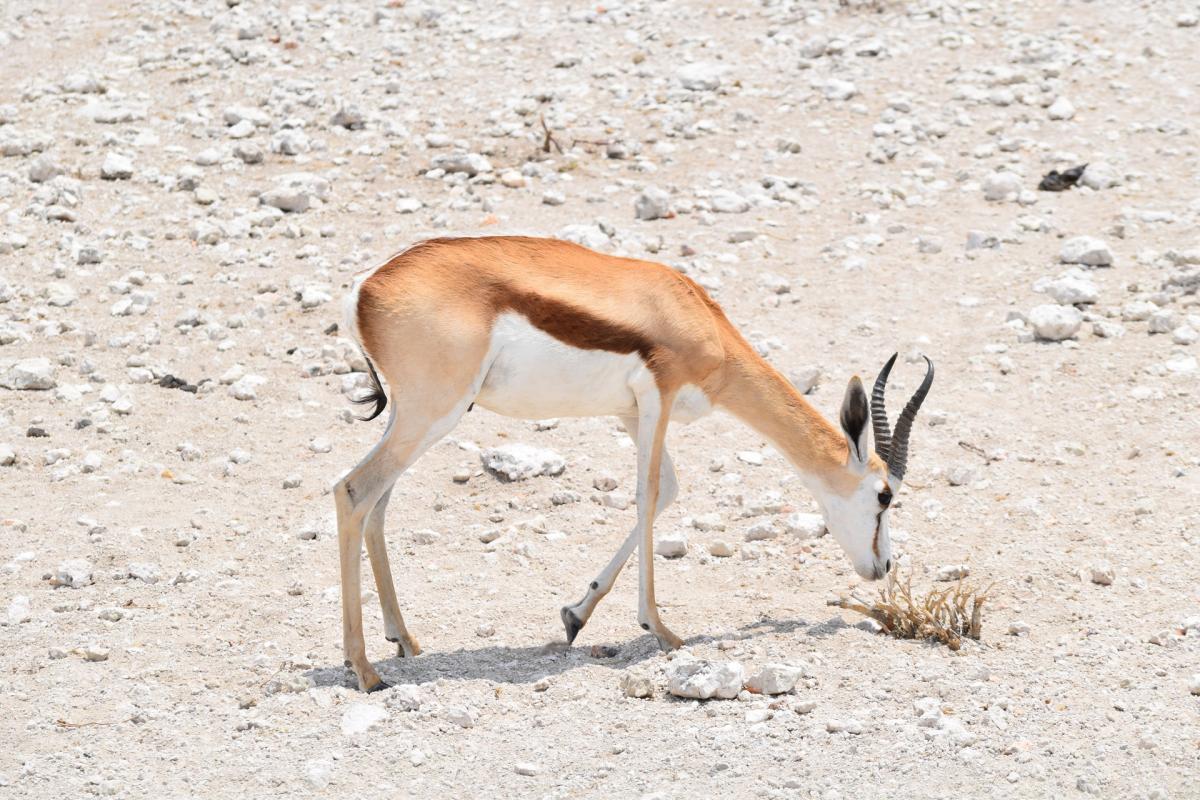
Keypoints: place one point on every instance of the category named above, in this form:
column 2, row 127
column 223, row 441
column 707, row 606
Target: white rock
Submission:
column 349, row 117
column 296, row 192
column 702, row 76
column 1054, row 322
column 587, row 235
column 1099, row 176
column 526, row 768
column 82, row 83
column 776, row 678
column 805, row 379
column 318, row 772
column 470, row 163
column 518, row 462
column 19, row 610
column 1086, row 250
column 361, row 717
column 652, row 203
column 851, row 726
column 1138, row 310
column 756, row 715
column 1061, row 109
column 8, row 456
column 724, row 201
column 1069, row 290
column 235, row 114
column 461, row 716
column 313, row 296
column 979, row 240
column 704, row 680
column 712, row 521
column 95, row 653
column 955, row 731
column 246, row 388
column 952, row 572
column 836, row 89
column 405, row 697
column 635, row 684
column 1001, row 186
column 44, row 168
column 1106, row 329
column 1184, row 335
column 672, row 545
column 146, row 573
column 74, row 573
column 929, row 245
column 1194, row 685
column 1103, row 573
column 752, row 457
column 116, row 167
column 30, row 374
column 804, row 526
column 605, row 482
column 721, row 549
column 287, row 142
column 408, row 205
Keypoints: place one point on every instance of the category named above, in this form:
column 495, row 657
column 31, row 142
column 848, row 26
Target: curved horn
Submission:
column 899, row 453
column 879, row 421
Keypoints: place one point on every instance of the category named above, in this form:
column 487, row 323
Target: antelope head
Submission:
column 856, row 505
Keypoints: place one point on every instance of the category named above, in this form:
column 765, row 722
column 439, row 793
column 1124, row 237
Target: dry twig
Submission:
column 946, row 615
column 549, row 139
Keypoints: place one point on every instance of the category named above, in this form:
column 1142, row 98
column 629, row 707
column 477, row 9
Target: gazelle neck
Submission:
column 758, row 395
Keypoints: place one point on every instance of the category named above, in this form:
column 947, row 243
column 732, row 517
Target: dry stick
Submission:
column 62, row 723
column 549, row 138
column 979, row 451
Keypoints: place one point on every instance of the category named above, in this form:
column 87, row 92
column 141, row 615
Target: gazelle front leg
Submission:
column 574, row 617
column 652, row 431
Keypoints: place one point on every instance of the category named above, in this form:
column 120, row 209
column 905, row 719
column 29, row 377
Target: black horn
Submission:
column 898, row 456
column 879, row 421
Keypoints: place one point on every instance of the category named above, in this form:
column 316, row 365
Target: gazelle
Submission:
column 538, row 328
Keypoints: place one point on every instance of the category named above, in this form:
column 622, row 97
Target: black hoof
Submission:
column 571, row 622
column 379, row 687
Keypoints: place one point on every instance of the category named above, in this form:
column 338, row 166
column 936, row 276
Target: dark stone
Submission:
column 1056, row 181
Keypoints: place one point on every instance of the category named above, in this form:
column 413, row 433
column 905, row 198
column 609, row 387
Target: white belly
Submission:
column 534, row 376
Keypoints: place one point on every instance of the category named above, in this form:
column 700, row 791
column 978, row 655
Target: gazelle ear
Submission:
column 855, row 412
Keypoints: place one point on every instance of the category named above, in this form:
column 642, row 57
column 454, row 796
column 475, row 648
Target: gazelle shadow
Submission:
column 529, row 664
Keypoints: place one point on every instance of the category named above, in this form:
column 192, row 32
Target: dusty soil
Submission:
column 825, row 166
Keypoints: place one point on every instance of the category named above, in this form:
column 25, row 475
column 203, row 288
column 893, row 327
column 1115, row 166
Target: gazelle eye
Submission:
column 885, row 498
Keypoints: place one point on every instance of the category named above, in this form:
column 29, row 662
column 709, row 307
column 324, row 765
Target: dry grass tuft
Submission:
column 945, row 615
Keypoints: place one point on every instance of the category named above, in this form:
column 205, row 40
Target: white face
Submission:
column 859, row 523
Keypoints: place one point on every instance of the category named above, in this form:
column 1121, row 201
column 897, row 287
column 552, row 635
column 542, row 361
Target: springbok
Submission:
column 538, row 328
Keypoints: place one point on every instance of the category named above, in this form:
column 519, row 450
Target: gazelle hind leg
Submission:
column 393, row 621
column 575, row 616
column 355, row 496
column 413, row 431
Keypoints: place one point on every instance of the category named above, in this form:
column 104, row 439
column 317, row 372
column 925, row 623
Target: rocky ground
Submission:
column 187, row 188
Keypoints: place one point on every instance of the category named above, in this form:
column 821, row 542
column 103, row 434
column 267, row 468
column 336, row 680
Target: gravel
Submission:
column 188, row 191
